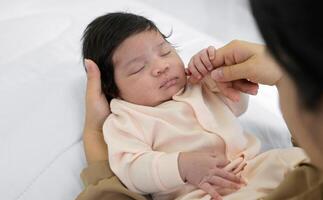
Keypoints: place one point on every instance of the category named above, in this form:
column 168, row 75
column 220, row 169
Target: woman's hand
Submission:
column 97, row 106
column 244, row 64
column 96, row 111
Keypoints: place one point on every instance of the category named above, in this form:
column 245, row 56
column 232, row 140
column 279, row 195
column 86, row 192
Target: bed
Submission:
column 42, row 88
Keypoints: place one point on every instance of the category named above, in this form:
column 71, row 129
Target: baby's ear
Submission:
column 187, row 72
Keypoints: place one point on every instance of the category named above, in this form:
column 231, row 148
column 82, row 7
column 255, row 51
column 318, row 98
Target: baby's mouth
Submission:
column 168, row 82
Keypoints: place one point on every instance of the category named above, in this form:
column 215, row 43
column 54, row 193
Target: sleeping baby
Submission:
column 167, row 130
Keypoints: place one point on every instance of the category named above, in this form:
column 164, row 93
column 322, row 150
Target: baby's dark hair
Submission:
column 102, row 37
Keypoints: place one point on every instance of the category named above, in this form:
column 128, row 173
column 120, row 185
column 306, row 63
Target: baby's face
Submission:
column 148, row 71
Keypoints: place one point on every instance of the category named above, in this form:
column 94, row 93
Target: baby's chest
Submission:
column 177, row 131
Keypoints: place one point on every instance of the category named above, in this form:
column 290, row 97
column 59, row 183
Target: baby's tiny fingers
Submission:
column 224, row 174
column 199, row 65
column 193, row 80
column 206, row 60
column 225, row 191
column 207, row 187
column 221, row 182
column 194, row 71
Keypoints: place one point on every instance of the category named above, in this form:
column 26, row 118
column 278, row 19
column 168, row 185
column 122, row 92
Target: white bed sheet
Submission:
column 42, row 85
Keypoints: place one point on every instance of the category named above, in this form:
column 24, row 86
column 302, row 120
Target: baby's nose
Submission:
column 160, row 69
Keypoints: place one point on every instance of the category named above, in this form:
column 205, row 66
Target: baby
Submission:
column 161, row 123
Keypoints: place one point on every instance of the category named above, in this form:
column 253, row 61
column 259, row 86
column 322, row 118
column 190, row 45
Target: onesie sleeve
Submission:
column 137, row 165
column 238, row 108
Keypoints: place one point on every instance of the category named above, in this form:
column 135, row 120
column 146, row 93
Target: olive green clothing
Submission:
column 101, row 184
column 305, row 182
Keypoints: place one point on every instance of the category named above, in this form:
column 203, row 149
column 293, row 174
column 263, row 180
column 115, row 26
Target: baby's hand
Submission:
column 200, row 64
column 204, row 170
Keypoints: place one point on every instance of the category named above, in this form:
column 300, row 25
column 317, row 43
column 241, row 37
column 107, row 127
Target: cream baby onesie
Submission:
column 144, row 143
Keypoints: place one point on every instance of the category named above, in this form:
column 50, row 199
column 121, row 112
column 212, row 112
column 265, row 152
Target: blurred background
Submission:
column 224, row 19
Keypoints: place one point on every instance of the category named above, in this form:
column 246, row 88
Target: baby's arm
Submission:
column 144, row 170
column 137, row 165
column 200, row 67
column 209, row 175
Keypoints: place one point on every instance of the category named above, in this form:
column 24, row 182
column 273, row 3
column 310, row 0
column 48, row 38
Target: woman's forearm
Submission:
column 94, row 146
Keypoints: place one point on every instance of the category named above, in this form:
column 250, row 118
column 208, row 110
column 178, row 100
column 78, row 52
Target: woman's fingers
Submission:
column 93, row 78
column 228, row 91
column 232, row 89
column 246, row 86
column 245, row 60
column 231, row 73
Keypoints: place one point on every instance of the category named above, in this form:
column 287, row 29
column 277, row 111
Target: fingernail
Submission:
column 87, row 64
column 244, row 181
column 254, row 92
column 217, row 74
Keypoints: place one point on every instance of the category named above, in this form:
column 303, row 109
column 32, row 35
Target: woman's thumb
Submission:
column 229, row 73
column 93, row 76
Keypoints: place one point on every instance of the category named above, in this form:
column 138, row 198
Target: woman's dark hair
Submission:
column 293, row 33
column 101, row 38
